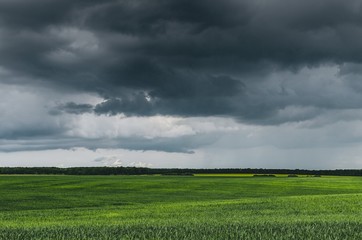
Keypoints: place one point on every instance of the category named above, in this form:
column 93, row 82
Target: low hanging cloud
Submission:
column 73, row 108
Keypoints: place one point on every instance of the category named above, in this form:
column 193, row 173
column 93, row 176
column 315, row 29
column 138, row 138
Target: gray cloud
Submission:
column 182, row 58
column 184, row 144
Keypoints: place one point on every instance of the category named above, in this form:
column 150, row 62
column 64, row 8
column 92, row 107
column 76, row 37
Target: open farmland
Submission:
column 180, row 207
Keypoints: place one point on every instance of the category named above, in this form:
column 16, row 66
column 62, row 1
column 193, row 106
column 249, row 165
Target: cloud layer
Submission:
column 184, row 58
column 179, row 75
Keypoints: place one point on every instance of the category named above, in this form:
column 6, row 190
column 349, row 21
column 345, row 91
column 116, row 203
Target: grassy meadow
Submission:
column 209, row 206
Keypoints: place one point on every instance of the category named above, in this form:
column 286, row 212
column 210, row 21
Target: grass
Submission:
column 179, row 207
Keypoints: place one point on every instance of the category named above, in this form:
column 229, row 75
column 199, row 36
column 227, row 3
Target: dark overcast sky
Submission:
column 183, row 76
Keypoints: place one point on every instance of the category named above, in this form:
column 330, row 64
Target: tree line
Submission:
column 169, row 171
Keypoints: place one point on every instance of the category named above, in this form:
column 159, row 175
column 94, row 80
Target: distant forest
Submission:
column 168, row 171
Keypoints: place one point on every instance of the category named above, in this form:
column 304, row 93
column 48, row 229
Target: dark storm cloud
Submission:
column 180, row 57
column 37, row 14
column 73, row 108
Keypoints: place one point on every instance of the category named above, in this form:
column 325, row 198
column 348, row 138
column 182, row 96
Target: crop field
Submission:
column 180, row 207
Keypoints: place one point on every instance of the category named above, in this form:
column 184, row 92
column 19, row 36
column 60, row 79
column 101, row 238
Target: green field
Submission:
column 180, row 207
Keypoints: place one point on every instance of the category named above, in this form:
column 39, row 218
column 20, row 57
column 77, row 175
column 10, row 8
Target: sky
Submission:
column 181, row 83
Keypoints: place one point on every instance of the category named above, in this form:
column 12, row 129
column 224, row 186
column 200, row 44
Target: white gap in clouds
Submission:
column 104, row 126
